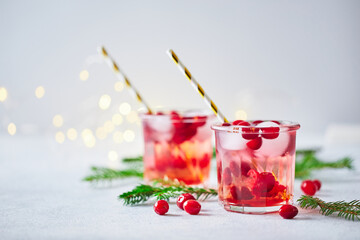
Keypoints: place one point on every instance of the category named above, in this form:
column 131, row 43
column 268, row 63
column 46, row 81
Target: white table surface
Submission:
column 42, row 197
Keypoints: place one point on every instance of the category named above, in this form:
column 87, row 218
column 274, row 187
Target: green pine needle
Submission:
column 347, row 210
column 143, row 193
column 108, row 174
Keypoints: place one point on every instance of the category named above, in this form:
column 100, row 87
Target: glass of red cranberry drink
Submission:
column 255, row 164
column 177, row 146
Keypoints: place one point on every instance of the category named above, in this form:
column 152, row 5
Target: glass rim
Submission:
column 285, row 126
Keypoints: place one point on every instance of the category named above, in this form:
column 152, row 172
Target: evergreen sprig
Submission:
column 306, row 162
column 347, row 210
column 143, row 193
column 108, row 174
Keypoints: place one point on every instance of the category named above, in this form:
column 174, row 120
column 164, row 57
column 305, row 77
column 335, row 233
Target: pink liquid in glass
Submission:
column 177, row 146
column 255, row 164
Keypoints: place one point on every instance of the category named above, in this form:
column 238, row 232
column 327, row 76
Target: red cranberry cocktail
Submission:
column 255, row 164
column 177, row 146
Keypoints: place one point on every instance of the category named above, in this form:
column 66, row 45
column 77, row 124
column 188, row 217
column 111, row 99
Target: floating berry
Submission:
column 238, row 122
column 246, row 194
column 256, row 122
column 234, row 191
column 183, row 198
column 161, row 207
column 264, row 184
column 254, row 144
column 317, row 184
column 308, row 187
column 226, row 124
column 205, row 161
column 227, row 179
column 288, row 211
column 270, row 132
column 178, row 162
column 245, row 167
column 192, row 207
column 234, row 168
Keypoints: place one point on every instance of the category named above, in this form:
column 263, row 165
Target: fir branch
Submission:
column 137, row 159
column 309, row 162
column 347, row 210
column 143, row 193
column 108, row 174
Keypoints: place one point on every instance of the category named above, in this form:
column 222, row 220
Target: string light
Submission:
column 129, row 136
column 58, row 120
column 84, row 75
column 101, row 133
column 118, row 137
column 119, row 86
column 40, row 92
column 113, row 155
column 241, row 115
column 60, row 137
column 104, row 102
column 109, row 126
column 71, row 134
column 125, row 108
column 117, row 119
column 11, row 129
column 132, row 117
column 3, row 94
column 88, row 138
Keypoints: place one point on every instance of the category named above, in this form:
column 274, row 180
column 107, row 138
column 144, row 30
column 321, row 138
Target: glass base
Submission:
column 251, row 210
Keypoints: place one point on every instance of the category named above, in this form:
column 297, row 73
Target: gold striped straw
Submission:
column 197, row 86
column 121, row 76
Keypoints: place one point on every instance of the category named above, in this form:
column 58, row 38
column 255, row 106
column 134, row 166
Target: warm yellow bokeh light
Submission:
column 60, row 137
column 117, row 137
column 129, row 136
column 88, row 138
column 113, row 155
column 117, row 119
column 241, row 115
column 39, row 91
column 125, row 108
column 12, row 129
column 101, row 133
column 104, row 102
column 84, row 75
column 109, row 126
column 119, row 86
column 58, row 120
column 3, row 94
column 71, row 134
column 132, row 117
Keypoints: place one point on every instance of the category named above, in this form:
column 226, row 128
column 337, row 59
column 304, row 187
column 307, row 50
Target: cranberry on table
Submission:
column 317, row 184
column 308, row 187
column 183, row 198
column 192, row 207
column 161, row 207
column 288, row 211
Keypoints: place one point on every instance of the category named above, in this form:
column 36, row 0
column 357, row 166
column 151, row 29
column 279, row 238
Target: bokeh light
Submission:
column 84, row 75
column 129, row 136
column 109, row 126
column 60, row 137
column 132, row 117
column 3, row 94
column 125, row 108
column 101, row 133
column 88, row 138
column 113, row 155
column 240, row 115
column 11, row 129
column 104, row 102
column 117, row 119
column 39, row 92
column 118, row 137
column 119, row 86
column 71, row 134
column 58, row 120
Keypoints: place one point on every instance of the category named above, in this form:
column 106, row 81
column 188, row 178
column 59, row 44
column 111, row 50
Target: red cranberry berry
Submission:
column 183, row 198
column 234, row 168
column 205, row 161
column 245, row 167
column 288, row 211
column 226, row 124
column 227, row 179
column 264, row 184
column 161, row 207
column 317, row 184
column 270, row 132
column 308, row 187
column 254, row 144
column 192, row 207
column 256, row 122
column 246, row 194
column 238, row 122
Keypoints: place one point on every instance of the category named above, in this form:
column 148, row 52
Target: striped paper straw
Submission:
column 197, row 86
column 121, row 76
